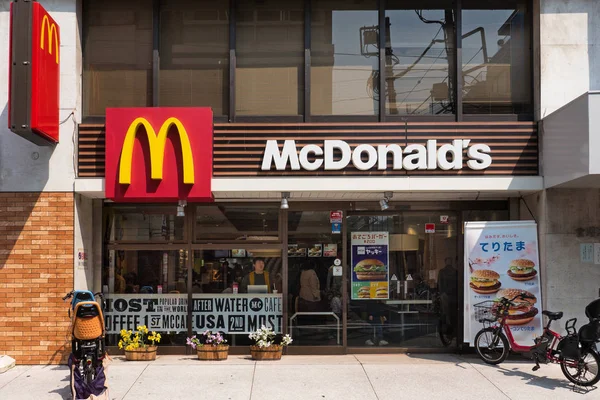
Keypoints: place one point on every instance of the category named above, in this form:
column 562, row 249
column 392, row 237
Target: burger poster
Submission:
column 369, row 262
column 502, row 260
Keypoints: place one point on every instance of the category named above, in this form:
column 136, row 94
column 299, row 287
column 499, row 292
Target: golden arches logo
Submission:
column 157, row 145
column 52, row 30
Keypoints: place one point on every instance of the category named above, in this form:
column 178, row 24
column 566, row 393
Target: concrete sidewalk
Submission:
column 361, row 377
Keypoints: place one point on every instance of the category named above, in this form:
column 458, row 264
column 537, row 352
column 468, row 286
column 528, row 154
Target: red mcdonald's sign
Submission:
column 158, row 154
column 34, row 73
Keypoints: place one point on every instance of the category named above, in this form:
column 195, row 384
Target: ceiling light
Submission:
column 383, row 203
column 284, row 201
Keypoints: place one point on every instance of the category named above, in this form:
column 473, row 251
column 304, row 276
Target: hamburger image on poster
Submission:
column 485, row 281
column 521, row 269
column 370, row 269
column 522, row 311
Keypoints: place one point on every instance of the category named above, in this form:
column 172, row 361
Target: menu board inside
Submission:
column 501, row 260
column 370, row 268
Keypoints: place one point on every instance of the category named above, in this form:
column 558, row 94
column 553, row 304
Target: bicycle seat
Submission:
column 553, row 315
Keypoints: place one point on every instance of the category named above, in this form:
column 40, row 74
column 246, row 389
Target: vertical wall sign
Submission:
column 34, row 73
column 502, row 260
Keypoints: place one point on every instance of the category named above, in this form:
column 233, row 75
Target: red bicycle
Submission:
column 576, row 353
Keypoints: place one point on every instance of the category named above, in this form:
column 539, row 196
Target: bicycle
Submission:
column 576, row 353
column 87, row 333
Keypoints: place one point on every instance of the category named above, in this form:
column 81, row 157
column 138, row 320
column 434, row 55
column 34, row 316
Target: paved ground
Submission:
column 363, row 377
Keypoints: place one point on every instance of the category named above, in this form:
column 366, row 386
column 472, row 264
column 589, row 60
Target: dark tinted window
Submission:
column 194, row 54
column 117, row 55
column 270, row 57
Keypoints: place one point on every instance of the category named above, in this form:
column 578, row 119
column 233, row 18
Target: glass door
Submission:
column 403, row 279
column 315, row 295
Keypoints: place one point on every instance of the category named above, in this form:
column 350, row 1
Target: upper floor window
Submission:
column 496, row 68
column 344, row 60
column 117, row 55
column 194, row 54
column 269, row 74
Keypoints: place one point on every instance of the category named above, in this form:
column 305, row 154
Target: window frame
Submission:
column 307, row 116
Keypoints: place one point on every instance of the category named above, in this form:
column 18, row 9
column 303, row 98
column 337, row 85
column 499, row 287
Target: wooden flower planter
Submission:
column 272, row 352
column 141, row 354
column 212, row 353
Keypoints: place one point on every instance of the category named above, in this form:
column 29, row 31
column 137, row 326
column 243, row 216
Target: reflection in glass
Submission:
column 270, row 57
column 194, row 54
column 143, row 224
column 496, row 58
column 117, row 55
column 344, row 58
column 419, row 57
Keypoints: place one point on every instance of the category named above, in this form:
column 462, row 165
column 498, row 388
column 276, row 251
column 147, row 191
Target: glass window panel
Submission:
column 194, row 54
column 344, row 58
column 420, row 53
column 312, row 285
column 146, row 287
column 117, row 55
column 216, row 306
column 496, row 56
column 143, row 224
column 270, row 57
column 237, row 222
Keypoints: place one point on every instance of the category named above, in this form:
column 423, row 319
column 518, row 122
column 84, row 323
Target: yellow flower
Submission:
column 120, row 344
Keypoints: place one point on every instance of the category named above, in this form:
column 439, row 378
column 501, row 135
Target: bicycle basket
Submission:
column 487, row 311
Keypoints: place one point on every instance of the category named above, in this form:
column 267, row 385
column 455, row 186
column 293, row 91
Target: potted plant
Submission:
column 264, row 347
column 139, row 345
column 209, row 346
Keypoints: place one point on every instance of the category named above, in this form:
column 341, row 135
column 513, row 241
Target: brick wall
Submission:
column 36, row 270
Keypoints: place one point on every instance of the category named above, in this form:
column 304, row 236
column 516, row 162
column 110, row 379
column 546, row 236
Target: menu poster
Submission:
column 295, row 251
column 330, row 250
column 316, row 250
column 238, row 253
column 502, row 260
column 370, row 270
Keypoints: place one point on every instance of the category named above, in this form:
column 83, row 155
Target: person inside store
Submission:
column 257, row 277
column 377, row 319
column 448, row 287
column 310, row 289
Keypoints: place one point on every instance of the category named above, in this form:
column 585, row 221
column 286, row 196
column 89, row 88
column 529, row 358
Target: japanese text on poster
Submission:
column 501, row 260
column 370, row 269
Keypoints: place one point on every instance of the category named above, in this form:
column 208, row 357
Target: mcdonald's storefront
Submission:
column 187, row 204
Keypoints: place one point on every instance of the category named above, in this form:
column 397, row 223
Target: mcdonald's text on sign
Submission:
column 159, row 154
column 34, row 69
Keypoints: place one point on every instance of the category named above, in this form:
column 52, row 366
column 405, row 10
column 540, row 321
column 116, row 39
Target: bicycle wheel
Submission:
column 491, row 345
column 586, row 372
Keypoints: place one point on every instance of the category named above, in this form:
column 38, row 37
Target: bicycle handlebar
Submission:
column 68, row 295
